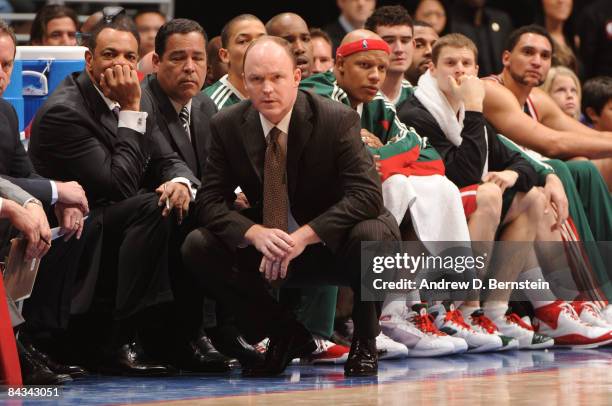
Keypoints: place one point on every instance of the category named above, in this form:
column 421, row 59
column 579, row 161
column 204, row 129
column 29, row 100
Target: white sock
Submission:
column 413, row 297
column 537, row 298
column 467, row 310
column 495, row 310
column 394, row 304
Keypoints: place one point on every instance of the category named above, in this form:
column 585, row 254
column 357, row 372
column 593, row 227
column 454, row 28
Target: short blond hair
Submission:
column 557, row 71
column 454, row 41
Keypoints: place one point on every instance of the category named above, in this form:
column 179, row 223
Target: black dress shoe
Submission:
column 295, row 342
column 202, row 357
column 129, row 360
column 34, row 372
column 363, row 358
column 228, row 341
column 74, row 371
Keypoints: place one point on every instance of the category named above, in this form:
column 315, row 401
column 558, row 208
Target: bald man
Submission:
column 91, row 21
column 294, row 29
column 316, row 307
column 359, row 71
column 318, row 201
column 414, row 185
column 236, row 36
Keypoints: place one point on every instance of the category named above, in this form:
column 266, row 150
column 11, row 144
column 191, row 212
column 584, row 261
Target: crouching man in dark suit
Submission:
column 315, row 196
column 91, row 130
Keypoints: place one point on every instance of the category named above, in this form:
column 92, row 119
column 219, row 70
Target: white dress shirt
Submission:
column 137, row 121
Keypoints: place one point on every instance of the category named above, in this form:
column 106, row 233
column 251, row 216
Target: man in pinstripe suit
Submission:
column 332, row 201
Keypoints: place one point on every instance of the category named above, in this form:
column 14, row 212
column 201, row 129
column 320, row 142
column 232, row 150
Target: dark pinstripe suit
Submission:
column 333, row 187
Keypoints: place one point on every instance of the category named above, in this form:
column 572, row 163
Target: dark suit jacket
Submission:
column 336, row 32
column 76, row 137
column 195, row 152
column 332, row 181
column 14, row 162
column 496, row 25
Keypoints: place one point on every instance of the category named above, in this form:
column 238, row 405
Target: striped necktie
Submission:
column 184, row 117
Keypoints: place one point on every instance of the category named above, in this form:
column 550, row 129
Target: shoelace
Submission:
column 432, row 321
column 456, row 317
column 484, row 322
column 514, row 318
column 591, row 308
column 262, row 346
column 322, row 345
column 424, row 323
column 569, row 310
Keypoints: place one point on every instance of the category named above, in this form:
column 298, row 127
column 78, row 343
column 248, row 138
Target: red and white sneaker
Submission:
column 450, row 321
column 606, row 313
column 479, row 322
column 262, row 346
column 389, row 349
column 415, row 330
column 328, row 352
column 590, row 313
column 512, row 325
column 560, row 321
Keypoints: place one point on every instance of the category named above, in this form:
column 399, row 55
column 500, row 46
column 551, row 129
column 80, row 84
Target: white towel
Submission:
column 451, row 123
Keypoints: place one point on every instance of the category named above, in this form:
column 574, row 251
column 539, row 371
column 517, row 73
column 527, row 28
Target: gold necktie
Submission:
column 275, row 199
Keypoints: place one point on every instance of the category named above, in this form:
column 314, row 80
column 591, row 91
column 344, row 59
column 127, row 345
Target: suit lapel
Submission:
column 98, row 106
column 300, row 130
column 173, row 125
column 200, row 122
column 253, row 140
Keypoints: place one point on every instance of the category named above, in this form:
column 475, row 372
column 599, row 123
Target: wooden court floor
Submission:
column 555, row 377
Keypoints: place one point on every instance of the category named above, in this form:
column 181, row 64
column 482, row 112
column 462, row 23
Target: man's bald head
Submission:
column 271, row 78
column 360, row 34
column 294, row 29
column 282, row 21
column 361, row 73
column 91, row 22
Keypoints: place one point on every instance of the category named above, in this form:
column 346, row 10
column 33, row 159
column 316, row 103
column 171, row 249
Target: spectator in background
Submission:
column 322, row 57
column 148, row 23
column 91, row 21
column 563, row 86
column 54, row 25
column 594, row 33
column 425, row 37
column 216, row 67
column 432, row 12
column 597, row 103
column 487, row 27
column 353, row 15
column 555, row 14
column 597, row 110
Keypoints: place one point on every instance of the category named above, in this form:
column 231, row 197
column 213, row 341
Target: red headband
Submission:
column 362, row 45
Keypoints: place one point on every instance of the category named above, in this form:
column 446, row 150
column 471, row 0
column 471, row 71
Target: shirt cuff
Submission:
column 54, row 195
column 187, row 182
column 134, row 120
column 32, row 200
